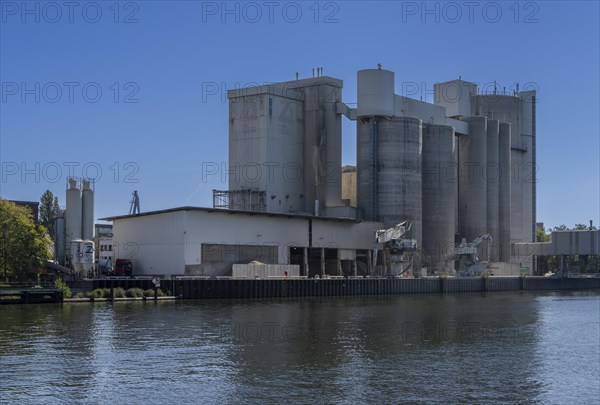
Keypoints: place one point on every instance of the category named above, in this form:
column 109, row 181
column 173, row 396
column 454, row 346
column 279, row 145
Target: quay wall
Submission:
column 206, row 288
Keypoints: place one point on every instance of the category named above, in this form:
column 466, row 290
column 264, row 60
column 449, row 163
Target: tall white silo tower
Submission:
column 73, row 215
column 87, row 213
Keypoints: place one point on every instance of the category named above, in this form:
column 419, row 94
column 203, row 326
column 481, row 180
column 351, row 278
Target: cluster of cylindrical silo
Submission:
column 517, row 146
column 79, row 216
column 447, row 184
column 484, row 185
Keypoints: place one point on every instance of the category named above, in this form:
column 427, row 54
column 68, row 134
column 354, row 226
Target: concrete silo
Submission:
column 439, row 185
column 399, row 177
column 504, row 192
column 389, row 171
column 472, row 189
column 492, row 178
column 73, row 215
column 375, row 97
column 87, row 213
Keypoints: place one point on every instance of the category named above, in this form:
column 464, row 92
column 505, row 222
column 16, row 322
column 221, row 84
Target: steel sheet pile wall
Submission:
column 503, row 284
column 458, row 285
column 264, row 288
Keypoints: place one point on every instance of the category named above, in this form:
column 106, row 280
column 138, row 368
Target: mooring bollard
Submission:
column 156, row 282
column 522, row 282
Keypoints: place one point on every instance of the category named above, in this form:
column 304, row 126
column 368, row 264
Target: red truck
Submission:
column 123, row 267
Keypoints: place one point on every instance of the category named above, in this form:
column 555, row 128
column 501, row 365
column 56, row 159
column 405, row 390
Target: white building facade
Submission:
column 207, row 242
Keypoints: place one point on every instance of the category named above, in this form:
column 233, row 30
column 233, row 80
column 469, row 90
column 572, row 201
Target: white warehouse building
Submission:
column 207, row 242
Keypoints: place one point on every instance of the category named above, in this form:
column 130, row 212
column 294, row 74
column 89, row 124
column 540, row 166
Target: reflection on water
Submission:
column 504, row 347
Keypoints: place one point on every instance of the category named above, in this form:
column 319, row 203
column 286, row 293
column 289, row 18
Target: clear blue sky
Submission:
column 171, row 56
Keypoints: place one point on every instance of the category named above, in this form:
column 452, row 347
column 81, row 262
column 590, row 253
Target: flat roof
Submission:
column 231, row 212
column 290, row 89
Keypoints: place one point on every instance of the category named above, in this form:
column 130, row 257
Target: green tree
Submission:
column 23, row 243
column 48, row 210
column 541, row 235
column 545, row 264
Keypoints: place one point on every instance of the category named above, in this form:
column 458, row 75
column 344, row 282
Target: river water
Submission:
column 472, row 348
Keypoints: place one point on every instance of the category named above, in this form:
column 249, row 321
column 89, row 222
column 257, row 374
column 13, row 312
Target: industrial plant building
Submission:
column 460, row 170
column 74, row 229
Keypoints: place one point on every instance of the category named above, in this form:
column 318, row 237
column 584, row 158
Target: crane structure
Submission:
column 466, row 255
column 134, row 207
column 397, row 250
